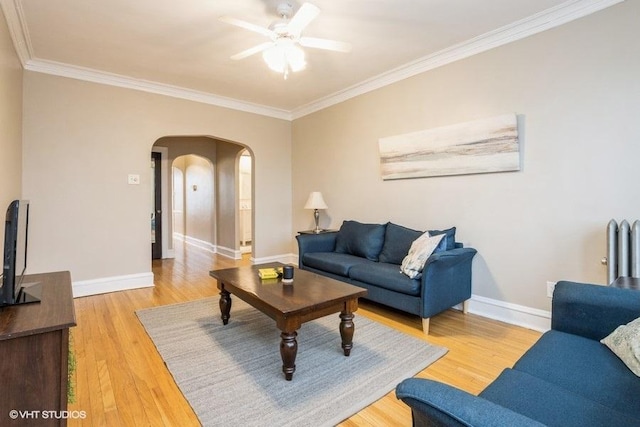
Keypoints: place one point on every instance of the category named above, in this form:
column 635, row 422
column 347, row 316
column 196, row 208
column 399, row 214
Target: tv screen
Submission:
column 15, row 252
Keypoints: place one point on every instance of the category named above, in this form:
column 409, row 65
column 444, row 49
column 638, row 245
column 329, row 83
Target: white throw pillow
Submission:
column 625, row 343
column 421, row 249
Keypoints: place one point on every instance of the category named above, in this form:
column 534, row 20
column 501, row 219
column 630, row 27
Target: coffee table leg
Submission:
column 225, row 305
column 288, row 351
column 346, row 331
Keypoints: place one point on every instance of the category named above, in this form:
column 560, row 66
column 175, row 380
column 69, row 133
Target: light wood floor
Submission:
column 122, row 381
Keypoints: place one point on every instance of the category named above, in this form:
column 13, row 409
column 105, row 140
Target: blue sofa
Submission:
column 369, row 255
column 568, row 378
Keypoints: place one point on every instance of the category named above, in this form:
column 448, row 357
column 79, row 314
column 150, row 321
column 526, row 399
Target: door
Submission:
column 156, row 215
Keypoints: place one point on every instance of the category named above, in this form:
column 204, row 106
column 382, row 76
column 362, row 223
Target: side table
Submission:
column 322, row 231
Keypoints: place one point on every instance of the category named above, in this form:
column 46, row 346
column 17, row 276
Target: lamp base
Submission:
column 316, row 216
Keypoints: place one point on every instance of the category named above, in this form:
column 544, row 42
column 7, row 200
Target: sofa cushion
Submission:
column 451, row 236
column 624, row 341
column 550, row 404
column 585, row 367
column 397, row 242
column 421, row 249
column 387, row 276
column 332, row 262
column 363, row 240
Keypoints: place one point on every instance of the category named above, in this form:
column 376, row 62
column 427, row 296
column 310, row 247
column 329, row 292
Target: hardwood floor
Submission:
column 122, row 381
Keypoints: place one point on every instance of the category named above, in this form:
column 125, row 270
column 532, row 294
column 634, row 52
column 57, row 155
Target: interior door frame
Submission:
column 156, row 246
column 167, row 228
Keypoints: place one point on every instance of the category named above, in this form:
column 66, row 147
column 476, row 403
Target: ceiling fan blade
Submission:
column 247, row 25
column 252, row 51
column 302, row 18
column 325, row 44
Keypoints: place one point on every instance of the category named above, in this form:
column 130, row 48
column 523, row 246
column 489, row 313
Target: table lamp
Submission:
column 316, row 202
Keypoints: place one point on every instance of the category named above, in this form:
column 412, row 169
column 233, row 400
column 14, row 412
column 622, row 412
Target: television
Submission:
column 14, row 290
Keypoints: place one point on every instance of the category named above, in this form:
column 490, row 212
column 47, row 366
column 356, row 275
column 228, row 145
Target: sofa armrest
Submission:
column 322, row 242
column 592, row 311
column 446, row 280
column 433, row 403
column 451, row 257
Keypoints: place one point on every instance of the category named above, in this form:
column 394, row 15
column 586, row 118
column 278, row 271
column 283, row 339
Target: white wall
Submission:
column 577, row 88
column 10, row 121
column 81, row 140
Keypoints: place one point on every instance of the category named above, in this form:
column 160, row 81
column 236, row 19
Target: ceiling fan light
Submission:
column 284, row 56
column 295, row 58
column 275, row 58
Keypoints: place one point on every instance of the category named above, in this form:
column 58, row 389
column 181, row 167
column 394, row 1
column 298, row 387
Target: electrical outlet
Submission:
column 550, row 287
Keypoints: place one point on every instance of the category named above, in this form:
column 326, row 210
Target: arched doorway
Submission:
column 219, row 232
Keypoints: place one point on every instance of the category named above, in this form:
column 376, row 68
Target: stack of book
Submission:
column 269, row 273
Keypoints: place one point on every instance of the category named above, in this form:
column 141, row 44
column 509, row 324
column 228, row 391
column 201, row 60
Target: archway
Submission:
column 223, row 206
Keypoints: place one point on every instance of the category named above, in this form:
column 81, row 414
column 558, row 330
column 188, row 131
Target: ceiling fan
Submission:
column 282, row 52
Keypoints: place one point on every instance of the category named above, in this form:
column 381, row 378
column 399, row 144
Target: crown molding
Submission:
column 22, row 43
column 86, row 74
column 14, row 16
column 545, row 20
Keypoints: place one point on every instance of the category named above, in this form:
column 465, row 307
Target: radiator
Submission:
column 623, row 250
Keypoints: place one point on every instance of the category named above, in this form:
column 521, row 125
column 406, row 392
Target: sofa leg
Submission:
column 425, row 326
column 465, row 306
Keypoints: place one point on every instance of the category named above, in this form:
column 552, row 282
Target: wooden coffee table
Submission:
column 310, row 296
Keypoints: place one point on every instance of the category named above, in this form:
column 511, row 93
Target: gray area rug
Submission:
column 232, row 375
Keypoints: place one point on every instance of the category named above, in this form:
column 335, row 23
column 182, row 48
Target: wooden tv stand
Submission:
column 34, row 351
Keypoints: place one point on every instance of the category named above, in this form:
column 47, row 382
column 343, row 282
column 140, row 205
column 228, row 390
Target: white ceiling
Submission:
column 179, row 48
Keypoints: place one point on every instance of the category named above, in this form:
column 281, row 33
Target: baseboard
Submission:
column 104, row 285
column 228, row 252
column 284, row 258
column 207, row 246
column 514, row 314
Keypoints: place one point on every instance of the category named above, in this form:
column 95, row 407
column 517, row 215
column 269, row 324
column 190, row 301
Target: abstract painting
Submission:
column 480, row 146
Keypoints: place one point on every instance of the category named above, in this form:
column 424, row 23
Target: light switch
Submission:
column 134, row 179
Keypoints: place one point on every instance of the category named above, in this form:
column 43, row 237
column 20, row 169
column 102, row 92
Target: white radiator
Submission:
column 623, row 250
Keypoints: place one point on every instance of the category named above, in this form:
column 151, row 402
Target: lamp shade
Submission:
column 284, row 55
column 315, row 201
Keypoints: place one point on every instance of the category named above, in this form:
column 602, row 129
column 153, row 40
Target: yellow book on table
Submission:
column 269, row 273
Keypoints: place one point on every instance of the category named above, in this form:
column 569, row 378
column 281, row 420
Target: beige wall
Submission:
column 180, row 148
column 81, row 140
column 199, row 199
column 177, row 198
column 10, row 121
column 227, row 189
column 577, row 89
